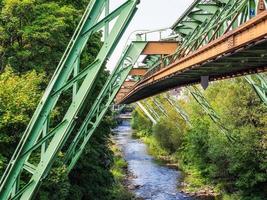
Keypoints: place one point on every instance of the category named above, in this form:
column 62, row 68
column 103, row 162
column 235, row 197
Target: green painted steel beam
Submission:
column 209, row 8
column 178, row 108
column 162, row 109
column 152, row 110
column 146, row 112
column 106, row 20
column 159, row 106
column 259, row 84
column 205, row 105
column 103, row 101
column 37, row 134
column 33, row 132
column 199, row 16
column 187, row 12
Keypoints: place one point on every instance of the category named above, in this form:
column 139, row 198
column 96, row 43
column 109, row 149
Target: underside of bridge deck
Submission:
column 239, row 52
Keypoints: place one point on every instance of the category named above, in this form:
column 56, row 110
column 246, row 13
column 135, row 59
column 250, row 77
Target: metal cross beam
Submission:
column 205, row 105
column 259, row 84
column 39, row 135
column 146, row 112
column 178, row 108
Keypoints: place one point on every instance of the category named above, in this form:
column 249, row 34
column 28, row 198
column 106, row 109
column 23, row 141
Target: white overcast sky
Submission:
column 151, row 15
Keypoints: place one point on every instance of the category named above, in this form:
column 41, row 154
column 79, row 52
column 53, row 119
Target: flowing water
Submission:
column 151, row 181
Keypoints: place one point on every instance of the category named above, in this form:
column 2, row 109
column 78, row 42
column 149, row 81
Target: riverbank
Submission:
column 121, row 174
column 147, row 178
column 192, row 183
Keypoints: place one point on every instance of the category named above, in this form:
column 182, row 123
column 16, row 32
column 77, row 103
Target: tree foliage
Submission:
column 33, row 37
column 19, row 96
column 236, row 168
column 140, row 122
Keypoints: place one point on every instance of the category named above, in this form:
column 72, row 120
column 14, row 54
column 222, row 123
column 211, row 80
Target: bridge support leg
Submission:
column 146, row 113
column 259, row 84
column 202, row 101
column 64, row 79
column 152, row 110
column 178, row 109
column 159, row 106
column 102, row 103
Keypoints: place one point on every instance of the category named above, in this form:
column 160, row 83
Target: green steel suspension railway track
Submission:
column 212, row 40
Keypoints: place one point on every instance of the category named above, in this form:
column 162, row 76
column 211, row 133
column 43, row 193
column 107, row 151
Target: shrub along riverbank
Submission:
column 235, row 170
column 120, row 173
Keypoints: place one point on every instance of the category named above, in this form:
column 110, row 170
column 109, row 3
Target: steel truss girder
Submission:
column 152, row 110
column 259, row 84
column 159, row 106
column 217, row 18
column 204, row 11
column 36, row 134
column 225, row 18
column 103, row 101
column 146, row 112
column 178, row 109
column 205, row 105
column 241, row 14
column 212, row 27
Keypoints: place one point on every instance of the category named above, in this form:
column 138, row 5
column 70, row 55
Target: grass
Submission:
column 120, row 165
column 119, row 171
column 153, row 147
column 193, row 181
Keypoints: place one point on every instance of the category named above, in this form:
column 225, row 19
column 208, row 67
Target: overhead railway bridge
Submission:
column 212, row 40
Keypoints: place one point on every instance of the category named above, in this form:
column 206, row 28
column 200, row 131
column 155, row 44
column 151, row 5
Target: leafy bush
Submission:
column 167, row 135
column 237, row 169
column 19, row 95
column 140, row 123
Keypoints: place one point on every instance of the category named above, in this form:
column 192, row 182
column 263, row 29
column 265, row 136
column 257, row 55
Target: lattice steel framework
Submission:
column 159, row 106
column 205, row 105
column 178, row 108
column 259, row 83
column 205, row 21
column 151, row 110
column 42, row 138
column 146, row 112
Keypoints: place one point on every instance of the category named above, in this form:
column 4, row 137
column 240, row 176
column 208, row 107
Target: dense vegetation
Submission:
column 33, row 37
column 238, row 170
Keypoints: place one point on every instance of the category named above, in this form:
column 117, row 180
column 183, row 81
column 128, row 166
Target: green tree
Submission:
column 36, row 32
column 237, row 168
column 19, row 95
column 140, row 122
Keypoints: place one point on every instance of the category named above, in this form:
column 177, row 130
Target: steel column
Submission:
column 103, row 101
column 152, row 119
column 259, row 84
column 54, row 140
column 205, row 105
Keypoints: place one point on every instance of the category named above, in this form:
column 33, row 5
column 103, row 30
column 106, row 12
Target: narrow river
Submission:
column 152, row 181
